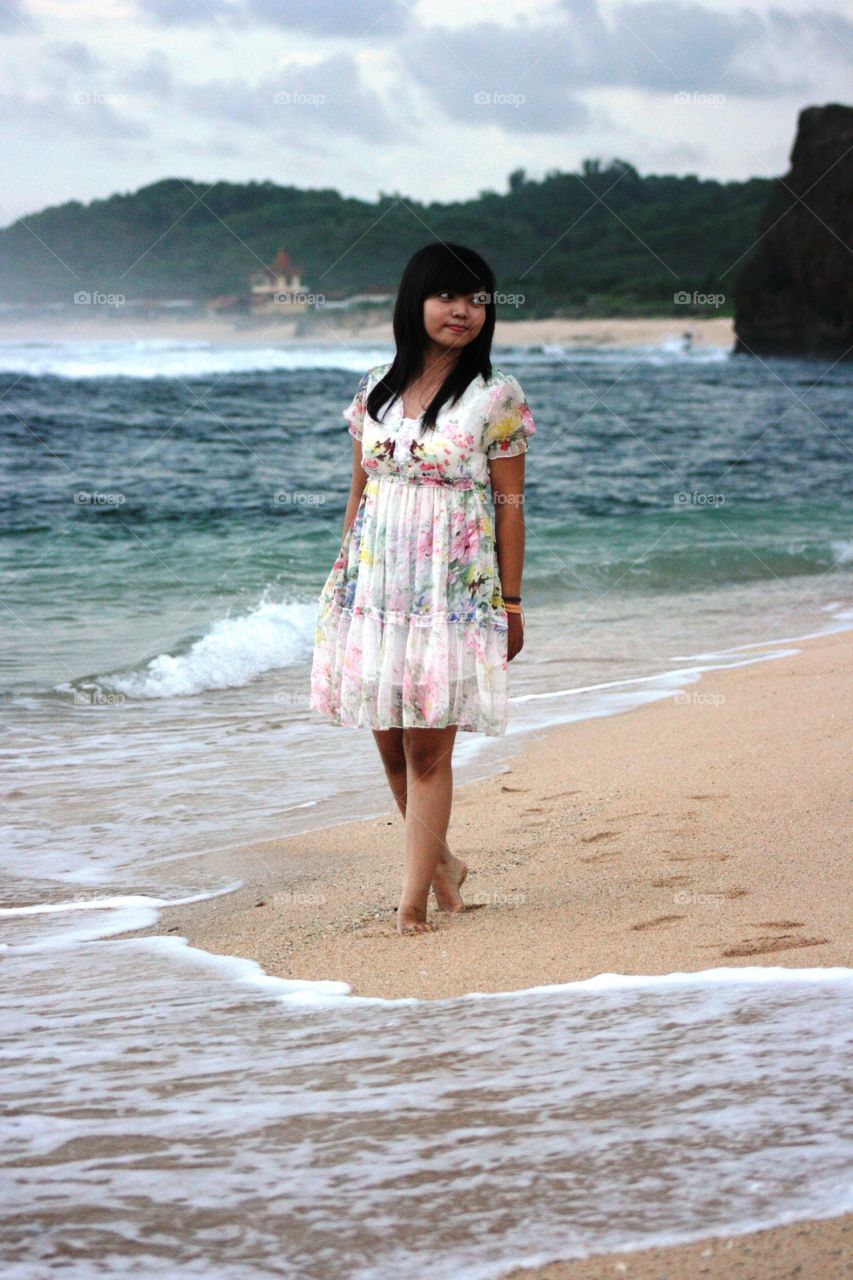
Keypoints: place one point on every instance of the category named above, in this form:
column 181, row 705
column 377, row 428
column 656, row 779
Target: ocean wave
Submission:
column 157, row 1087
column 230, row 654
column 166, row 358
column 185, row 359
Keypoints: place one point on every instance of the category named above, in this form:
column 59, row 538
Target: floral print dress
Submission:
column 411, row 628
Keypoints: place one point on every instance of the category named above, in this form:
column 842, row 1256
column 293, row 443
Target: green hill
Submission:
column 602, row 241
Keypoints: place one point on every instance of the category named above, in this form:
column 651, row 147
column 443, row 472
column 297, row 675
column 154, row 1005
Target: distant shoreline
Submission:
column 715, row 331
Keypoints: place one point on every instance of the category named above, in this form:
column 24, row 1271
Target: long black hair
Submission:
column 436, row 267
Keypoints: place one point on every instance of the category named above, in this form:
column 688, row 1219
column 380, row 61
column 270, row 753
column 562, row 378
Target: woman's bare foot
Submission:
column 448, row 879
column 413, row 920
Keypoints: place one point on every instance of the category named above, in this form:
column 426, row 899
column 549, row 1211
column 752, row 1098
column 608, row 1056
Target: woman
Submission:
column 421, row 611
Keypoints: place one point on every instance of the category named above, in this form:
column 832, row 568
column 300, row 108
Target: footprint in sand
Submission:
column 697, row 857
column 599, row 835
column 654, row 924
column 769, row 942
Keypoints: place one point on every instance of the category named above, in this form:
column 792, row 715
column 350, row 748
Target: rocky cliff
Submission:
column 794, row 296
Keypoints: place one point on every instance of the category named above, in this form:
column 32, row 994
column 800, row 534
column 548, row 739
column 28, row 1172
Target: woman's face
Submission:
column 454, row 319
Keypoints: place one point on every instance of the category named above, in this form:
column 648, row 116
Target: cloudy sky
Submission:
column 436, row 99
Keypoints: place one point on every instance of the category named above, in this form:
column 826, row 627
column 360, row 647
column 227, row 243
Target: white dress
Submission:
column 411, row 627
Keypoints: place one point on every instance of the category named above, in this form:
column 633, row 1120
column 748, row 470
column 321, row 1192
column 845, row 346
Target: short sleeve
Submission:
column 355, row 410
column 510, row 421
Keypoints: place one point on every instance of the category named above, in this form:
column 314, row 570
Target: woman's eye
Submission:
column 478, row 299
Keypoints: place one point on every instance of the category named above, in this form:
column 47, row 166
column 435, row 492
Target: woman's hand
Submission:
column 515, row 635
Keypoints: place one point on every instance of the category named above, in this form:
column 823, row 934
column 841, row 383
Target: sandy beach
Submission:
column 708, row 829
column 336, row 330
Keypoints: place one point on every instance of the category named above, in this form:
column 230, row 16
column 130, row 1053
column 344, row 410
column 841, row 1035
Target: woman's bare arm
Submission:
column 506, row 476
column 359, row 480
column 507, row 480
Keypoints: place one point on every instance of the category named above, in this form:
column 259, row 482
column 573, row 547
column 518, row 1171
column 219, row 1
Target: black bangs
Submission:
column 455, row 273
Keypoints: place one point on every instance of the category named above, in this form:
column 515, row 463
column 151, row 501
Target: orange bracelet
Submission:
column 512, row 608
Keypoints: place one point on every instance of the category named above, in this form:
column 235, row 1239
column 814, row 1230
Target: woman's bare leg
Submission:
column 390, row 744
column 429, row 795
column 450, row 871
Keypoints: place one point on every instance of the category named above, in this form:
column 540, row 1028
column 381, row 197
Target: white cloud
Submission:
column 388, row 94
column 387, row 18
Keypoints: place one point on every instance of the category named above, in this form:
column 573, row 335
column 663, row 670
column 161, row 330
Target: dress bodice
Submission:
column 490, row 420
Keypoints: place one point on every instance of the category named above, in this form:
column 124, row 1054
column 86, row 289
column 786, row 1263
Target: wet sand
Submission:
column 819, row 1249
column 711, row 828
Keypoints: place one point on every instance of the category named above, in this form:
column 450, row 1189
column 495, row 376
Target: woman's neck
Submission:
column 437, row 362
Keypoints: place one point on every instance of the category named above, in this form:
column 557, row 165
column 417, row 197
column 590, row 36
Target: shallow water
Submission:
column 185, row 1116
